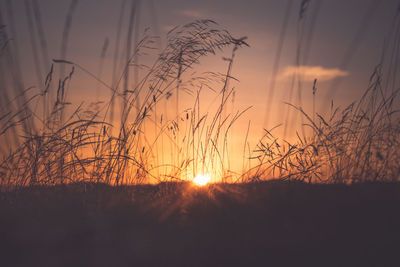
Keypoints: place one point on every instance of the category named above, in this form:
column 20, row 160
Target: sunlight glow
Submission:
column 202, row 179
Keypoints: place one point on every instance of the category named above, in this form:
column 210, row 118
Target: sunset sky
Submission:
column 342, row 43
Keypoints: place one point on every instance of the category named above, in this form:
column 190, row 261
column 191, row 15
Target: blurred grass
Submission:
column 46, row 140
column 267, row 223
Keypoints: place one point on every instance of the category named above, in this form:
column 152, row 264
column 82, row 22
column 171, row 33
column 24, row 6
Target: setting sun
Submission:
column 202, row 179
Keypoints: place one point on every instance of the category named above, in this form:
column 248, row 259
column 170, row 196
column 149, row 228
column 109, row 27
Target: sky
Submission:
column 340, row 45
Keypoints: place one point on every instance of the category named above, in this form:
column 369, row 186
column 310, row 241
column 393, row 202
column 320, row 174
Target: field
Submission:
column 160, row 165
column 257, row 224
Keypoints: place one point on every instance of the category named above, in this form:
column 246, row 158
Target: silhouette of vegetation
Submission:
column 86, row 146
column 56, row 145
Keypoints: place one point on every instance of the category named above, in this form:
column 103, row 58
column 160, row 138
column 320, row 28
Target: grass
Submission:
column 359, row 143
column 87, row 146
column 266, row 223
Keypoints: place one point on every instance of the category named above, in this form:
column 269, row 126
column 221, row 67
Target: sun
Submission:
column 202, row 179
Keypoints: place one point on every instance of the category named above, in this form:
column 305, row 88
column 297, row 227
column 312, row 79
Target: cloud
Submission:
column 191, row 13
column 309, row 73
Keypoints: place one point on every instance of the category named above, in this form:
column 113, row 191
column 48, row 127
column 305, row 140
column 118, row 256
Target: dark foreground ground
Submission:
column 263, row 224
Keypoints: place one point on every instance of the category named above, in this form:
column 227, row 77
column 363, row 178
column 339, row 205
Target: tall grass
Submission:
column 357, row 144
column 104, row 143
column 87, row 146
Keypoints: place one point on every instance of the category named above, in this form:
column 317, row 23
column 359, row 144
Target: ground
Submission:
column 179, row 224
